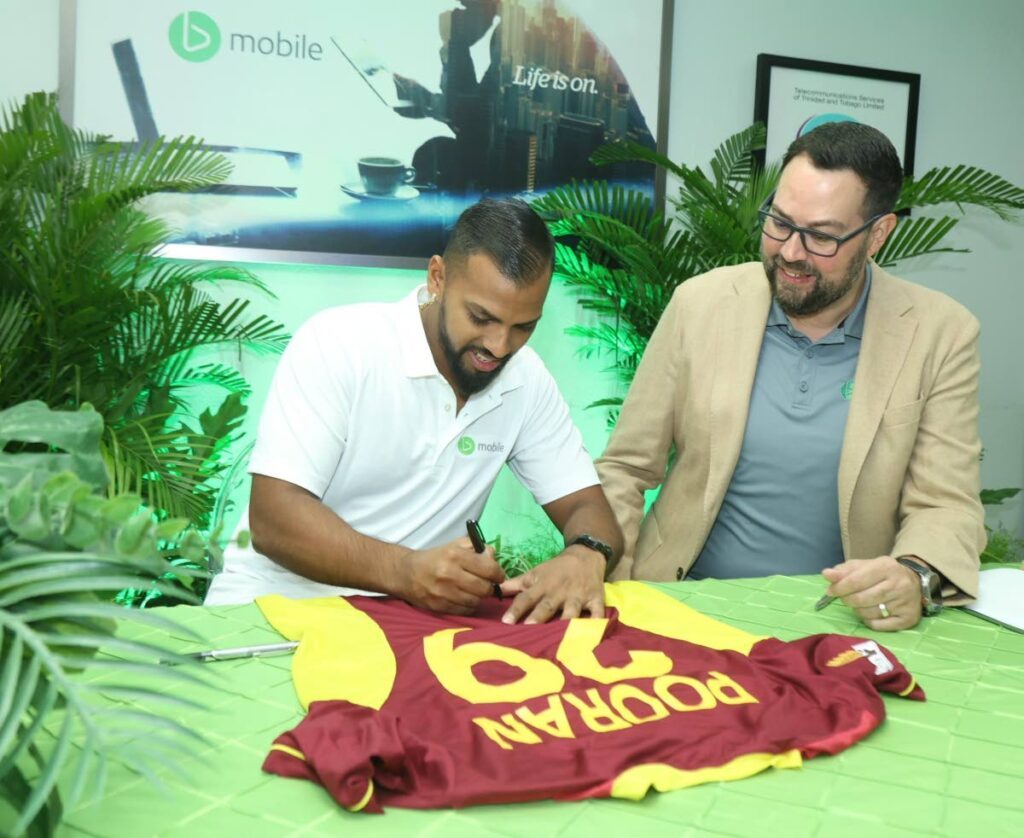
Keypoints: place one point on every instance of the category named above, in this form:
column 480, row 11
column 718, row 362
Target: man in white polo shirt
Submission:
column 387, row 424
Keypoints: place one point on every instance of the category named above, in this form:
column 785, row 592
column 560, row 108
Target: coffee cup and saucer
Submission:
column 382, row 179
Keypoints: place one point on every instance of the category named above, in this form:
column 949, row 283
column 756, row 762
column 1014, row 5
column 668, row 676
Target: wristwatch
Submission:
column 931, row 586
column 594, row 544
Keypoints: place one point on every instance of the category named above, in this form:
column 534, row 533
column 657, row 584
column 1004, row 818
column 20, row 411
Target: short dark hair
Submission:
column 510, row 233
column 864, row 150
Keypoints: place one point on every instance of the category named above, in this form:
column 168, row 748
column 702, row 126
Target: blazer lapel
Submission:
column 888, row 334
column 740, row 325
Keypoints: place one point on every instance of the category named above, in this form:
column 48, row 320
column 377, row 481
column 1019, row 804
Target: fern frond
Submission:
column 915, row 237
column 963, row 185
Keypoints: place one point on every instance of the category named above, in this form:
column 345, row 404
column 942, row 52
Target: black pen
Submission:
column 476, row 535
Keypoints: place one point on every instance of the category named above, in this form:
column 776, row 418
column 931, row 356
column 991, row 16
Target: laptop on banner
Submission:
column 256, row 171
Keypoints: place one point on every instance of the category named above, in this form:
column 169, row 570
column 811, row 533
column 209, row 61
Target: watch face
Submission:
column 931, row 586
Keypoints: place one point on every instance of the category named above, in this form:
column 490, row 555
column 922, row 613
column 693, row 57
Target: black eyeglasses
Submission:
column 814, row 241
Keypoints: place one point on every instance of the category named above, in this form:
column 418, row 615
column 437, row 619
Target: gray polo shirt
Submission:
column 781, row 511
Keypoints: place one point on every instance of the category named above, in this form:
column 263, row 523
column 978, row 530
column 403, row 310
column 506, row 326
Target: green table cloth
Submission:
column 953, row 765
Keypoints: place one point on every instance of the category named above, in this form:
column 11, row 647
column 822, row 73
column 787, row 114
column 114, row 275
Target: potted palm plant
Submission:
column 91, row 313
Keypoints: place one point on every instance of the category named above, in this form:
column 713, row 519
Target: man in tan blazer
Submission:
column 822, row 420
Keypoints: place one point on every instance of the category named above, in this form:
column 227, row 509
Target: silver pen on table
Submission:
column 234, row 653
column 824, row 602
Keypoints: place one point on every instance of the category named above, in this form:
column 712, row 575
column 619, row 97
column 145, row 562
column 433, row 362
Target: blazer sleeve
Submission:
column 941, row 519
column 638, row 451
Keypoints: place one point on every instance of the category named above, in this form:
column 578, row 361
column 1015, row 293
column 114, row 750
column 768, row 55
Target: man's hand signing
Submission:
column 452, row 578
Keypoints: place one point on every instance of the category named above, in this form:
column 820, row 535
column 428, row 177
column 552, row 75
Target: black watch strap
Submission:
column 594, row 544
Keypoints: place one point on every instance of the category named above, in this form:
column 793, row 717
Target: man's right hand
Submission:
column 451, row 579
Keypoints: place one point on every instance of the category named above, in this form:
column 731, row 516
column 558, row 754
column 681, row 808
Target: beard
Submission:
column 797, row 302
column 468, row 379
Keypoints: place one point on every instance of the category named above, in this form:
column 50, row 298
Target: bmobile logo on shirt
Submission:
column 467, row 445
column 194, row 36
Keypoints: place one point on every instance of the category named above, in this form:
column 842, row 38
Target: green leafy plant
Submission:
column 625, row 258
column 541, row 543
column 90, row 312
column 995, row 497
column 66, row 546
column 1003, row 546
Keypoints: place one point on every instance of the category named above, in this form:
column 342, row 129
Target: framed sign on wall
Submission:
column 794, row 95
column 359, row 132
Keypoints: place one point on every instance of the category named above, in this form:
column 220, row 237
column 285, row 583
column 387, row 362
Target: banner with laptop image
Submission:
column 358, row 132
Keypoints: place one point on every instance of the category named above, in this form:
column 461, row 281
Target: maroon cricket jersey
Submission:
column 420, row 710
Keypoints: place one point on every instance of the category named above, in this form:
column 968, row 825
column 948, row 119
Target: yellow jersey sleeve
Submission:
column 342, row 655
column 642, row 607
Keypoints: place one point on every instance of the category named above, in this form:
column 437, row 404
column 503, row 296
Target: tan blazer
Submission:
column 908, row 474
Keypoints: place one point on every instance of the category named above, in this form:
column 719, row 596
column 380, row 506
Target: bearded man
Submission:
column 387, row 424
column 824, row 420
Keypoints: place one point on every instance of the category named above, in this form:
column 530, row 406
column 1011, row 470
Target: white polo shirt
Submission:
column 359, row 415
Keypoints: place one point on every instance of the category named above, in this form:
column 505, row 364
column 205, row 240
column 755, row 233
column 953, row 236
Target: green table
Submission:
column 953, row 765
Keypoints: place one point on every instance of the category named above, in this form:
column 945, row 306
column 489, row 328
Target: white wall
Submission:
column 969, row 55
column 28, row 47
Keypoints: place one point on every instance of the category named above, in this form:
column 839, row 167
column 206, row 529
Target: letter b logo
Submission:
column 466, row 445
column 194, row 36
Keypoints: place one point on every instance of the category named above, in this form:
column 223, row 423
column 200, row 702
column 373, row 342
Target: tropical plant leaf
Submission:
column 79, row 713
column 612, row 210
column 76, row 434
column 14, row 787
column 56, row 619
column 156, row 465
column 915, row 237
column 1003, row 547
column 219, row 375
column 127, row 172
column 14, row 313
column 733, row 162
column 627, row 151
column 963, row 185
column 995, row 497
